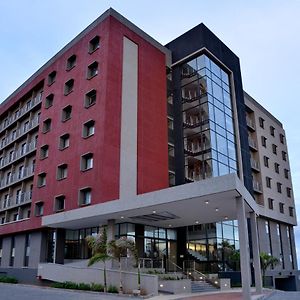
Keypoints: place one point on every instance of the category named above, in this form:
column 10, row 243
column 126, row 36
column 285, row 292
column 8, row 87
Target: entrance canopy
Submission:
column 206, row 201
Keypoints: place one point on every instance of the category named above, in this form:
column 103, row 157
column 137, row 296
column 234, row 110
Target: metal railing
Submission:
column 27, row 107
column 21, row 199
column 250, row 123
column 252, row 143
column 16, row 176
column 257, row 186
column 255, row 164
column 150, row 263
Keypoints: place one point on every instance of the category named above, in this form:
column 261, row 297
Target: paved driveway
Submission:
column 16, row 291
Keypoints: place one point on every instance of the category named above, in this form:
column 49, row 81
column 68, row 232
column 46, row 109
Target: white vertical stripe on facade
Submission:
column 128, row 151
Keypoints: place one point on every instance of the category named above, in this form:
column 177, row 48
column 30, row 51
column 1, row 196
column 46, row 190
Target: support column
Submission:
column 255, row 250
column 244, row 248
column 110, row 230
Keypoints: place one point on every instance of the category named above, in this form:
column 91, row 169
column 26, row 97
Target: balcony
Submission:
column 23, row 199
column 18, row 154
column 26, row 108
column 16, row 177
column 255, row 165
column 257, row 187
column 195, row 149
column 252, row 144
column 250, row 124
column 21, row 131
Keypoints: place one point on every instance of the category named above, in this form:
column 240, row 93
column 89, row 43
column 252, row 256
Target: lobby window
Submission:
column 272, row 131
column 62, row 172
column 289, row 192
column 51, row 77
column 284, row 155
column 279, row 187
column 281, row 207
column 41, row 181
column 69, row 85
column 44, row 151
column 271, row 203
column 64, row 141
column 281, row 137
column 90, row 98
column 86, row 162
column 66, row 113
column 88, row 129
column 286, row 173
column 266, row 161
column 268, row 182
column 92, row 70
column 46, row 125
column 264, row 141
column 276, row 167
column 49, row 100
column 71, row 62
column 85, row 196
column 291, row 211
column 261, row 122
column 94, row 44
column 274, row 148
column 39, row 209
column 12, row 252
column 59, row 203
column 27, row 250
column 1, row 246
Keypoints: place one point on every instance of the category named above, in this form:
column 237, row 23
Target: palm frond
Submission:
column 98, row 257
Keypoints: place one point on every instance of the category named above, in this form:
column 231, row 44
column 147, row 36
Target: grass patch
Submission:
column 8, row 279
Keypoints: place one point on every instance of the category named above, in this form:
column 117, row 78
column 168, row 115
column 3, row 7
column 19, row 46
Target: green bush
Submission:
column 8, row 279
column 97, row 287
column 112, row 289
column 70, row 285
column 57, row 285
column 84, row 286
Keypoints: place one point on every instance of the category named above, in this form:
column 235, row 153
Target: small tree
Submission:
column 231, row 255
column 266, row 261
column 120, row 248
column 98, row 245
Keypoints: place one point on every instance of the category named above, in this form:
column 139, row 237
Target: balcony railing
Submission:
column 250, row 123
column 35, row 101
column 257, row 186
column 12, row 137
column 255, row 164
column 21, row 199
column 252, row 144
column 16, row 176
column 18, row 154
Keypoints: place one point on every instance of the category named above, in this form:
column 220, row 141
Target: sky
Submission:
column 263, row 34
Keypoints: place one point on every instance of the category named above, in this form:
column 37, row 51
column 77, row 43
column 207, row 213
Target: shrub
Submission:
column 8, row 279
column 112, row 289
column 84, row 286
column 70, row 285
column 57, row 285
column 97, row 287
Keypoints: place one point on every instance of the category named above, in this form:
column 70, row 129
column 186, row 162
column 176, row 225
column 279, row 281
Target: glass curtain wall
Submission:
column 208, row 130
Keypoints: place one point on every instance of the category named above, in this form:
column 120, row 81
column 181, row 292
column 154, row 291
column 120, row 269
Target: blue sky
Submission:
column 264, row 34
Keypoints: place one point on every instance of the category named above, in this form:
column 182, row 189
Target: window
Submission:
column 268, row 182
column 1, row 246
column 8, row 177
column 94, row 44
column 64, row 141
column 46, row 125
column 44, row 151
column 276, row 167
column 272, row 130
column 39, row 209
column 284, row 155
column 49, row 100
column 26, row 250
column 41, row 181
column 21, row 172
column 11, row 155
column 66, row 113
column 289, row 192
column 274, row 148
column 264, row 141
column 92, row 70
column 69, row 85
column 266, row 161
column 271, row 203
column 18, row 196
column 279, row 185
column 85, row 196
column 286, row 173
column 90, row 98
column 6, row 201
column 281, row 137
column 88, row 128
column 281, row 207
column 291, row 211
column 62, row 172
column 86, row 162
column 25, row 126
column 12, row 252
column 51, row 77
column 71, row 61
column 59, row 203
column 16, row 217
column 23, row 148
column 14, row 134
column 261, row 122
column 170, row 123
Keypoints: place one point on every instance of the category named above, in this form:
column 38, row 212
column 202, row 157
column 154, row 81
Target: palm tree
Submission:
column 266, row 261
column 98, row 245
column 120, row 248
